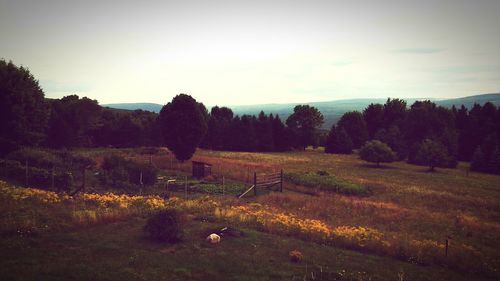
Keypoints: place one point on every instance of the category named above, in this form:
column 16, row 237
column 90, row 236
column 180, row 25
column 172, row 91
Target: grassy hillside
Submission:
column 395, row 232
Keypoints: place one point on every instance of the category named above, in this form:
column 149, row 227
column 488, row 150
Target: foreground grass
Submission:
column 42, row 239
column 119, row 251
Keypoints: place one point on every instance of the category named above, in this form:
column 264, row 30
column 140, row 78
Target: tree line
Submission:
column 422, row 133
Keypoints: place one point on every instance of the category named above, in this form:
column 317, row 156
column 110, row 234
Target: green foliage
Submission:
column 183, row 126
column 165, row 226
column 432, row 154
column 72, row 121
column 37, row 177
column 394, row 139
column 120, row 173
column 377, row 152
column 304, row 121
column 338, row 141
column 35, row 157
column 23, row 110
column 327, row 183
column 216, row 188
column 355, row 126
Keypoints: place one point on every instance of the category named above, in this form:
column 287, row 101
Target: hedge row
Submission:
column 37, row 177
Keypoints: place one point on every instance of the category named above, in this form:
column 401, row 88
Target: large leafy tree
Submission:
column 377, row 152
column 304, row 121
column 432, row 154
column 72, row 120
column 355, row 126
column 183, row 125
column 23, row 111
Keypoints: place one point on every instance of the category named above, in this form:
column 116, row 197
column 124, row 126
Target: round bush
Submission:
column 164, row 226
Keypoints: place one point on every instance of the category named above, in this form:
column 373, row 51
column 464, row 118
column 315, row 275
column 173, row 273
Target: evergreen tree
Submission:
column 494, row 162
column 264, row 133
column 394, row 139
column 478, row 161
column 331, row 141
column 344, row 142
column 374, row 118
column 281, row 142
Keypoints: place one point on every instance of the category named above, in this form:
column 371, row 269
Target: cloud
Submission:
column 341, row 62
column 421, row 51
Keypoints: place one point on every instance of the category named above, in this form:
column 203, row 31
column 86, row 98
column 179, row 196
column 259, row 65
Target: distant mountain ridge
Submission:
column 154, row 107
column 332, row 110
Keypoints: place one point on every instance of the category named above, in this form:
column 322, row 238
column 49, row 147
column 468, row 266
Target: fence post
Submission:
column 26, row 165
column 222, row 185
column 255, row 183
column 447, row 245
column 83, row 180
column 281, row 180
column 52, row 176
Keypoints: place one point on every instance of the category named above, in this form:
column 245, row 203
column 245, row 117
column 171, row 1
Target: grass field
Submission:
column 396, row 232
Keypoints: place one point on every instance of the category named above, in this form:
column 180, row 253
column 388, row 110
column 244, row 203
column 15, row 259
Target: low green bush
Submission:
column 165, row 226
column 327, row 183
column 118, row 172
column 215, row 188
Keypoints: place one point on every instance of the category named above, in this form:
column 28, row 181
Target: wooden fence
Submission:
column 265, row 180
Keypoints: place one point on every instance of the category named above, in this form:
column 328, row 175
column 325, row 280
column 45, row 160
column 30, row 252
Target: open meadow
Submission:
column 350, row 220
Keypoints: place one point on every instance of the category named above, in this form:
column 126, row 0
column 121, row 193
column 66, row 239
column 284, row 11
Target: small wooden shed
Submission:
column 201, row 169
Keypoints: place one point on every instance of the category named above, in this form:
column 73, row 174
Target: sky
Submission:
column 251, row 52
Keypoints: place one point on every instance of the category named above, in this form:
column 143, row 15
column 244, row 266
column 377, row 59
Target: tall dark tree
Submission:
column 280, row 135
column 478, row 161
column 23, row 110
column 264, row 132
column 218, row 135
column 355, row 126
column 304, row 121
column 76, row 118
column 394, row 139
column 338, row 141
column 374, row 118
column 183, row 126
column 394, row 112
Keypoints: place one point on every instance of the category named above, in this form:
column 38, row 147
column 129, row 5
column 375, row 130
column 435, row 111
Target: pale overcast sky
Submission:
column 249, row 52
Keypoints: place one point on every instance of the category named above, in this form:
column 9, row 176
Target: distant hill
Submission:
column 471, row 100
column 332, row 110
column 154, row 107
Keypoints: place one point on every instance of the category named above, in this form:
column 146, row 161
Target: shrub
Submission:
column 164, row 226
column 120, row 172
column 35, row 158
column 377, row 152
column 37, row 177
